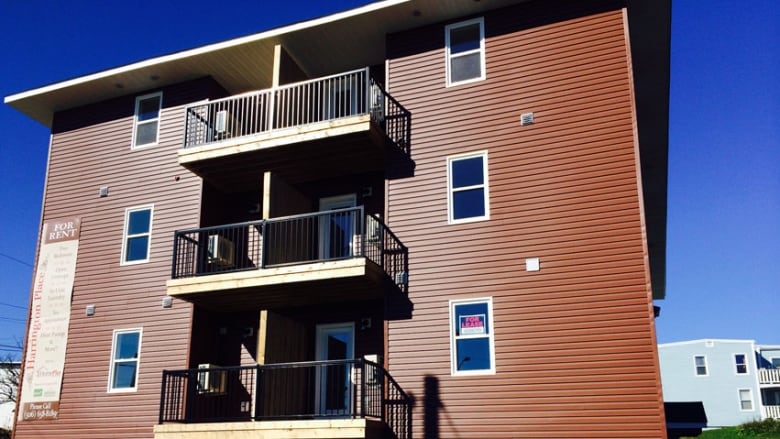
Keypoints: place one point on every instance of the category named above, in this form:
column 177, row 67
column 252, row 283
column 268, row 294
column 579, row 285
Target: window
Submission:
column 740, row 361
column 471, row 329
column 138, row 234
column 776, row 363
column 146, row 124
column 746, row 400
column 701, row 365
column 465, row 50
column 467, row 193
column 125, row 350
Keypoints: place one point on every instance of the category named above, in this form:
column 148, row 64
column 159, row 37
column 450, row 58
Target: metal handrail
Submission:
column 322, row 99
column 285, row 391
column 290, row 240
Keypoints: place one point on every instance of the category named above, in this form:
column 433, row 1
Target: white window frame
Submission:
column 113, row 360
column 449, row 56
column 752, row 400
column 696, row 366
column 126, row 236
column 736, row 365
column 137, row 123
column 490, row 336
column 484, row 186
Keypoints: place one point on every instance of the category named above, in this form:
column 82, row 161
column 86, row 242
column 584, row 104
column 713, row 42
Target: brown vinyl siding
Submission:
column 575, row 341
column 91, row 147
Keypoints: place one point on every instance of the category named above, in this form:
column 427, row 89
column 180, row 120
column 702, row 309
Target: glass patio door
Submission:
column 337, row 230
column 334, row 381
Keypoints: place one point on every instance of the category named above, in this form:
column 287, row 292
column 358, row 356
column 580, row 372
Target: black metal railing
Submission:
column 323, row 99
column 312, row 237
column 287, row 391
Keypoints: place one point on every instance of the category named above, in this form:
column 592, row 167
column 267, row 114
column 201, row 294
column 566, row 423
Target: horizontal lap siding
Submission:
column 85, row 156
column 574, row 341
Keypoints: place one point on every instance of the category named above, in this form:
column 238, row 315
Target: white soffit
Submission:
column 337, row 42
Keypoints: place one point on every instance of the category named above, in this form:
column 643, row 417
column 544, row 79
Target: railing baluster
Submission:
column 362, row 369
column 263, row 392
column 163, row 391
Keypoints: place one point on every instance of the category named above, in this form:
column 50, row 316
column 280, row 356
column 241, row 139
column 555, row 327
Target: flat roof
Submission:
column 705, row 340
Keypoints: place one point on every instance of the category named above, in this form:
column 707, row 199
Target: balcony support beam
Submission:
column 267, row 194
column 277, row 65
column 262, row 335
column 281, row 198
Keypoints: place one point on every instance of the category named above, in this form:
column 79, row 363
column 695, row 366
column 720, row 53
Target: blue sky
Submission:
column 723, row 249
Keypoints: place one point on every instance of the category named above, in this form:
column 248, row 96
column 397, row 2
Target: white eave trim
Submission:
column 703, row 340
column 205, row 49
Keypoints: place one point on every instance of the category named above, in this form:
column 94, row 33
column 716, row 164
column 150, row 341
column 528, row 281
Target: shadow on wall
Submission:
column 434, row 411
column 683, row 419
column 431, row 406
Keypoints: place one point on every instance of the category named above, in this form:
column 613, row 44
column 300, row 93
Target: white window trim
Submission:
column 125, row 236
column 136, row 123
column 448, row 56
column 116, row 333
column 747, row 364
column 484, row 186
column 696, row 368
column 752, row 400
column 491, row 338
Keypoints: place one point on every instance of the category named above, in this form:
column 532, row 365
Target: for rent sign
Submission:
column 50, row 315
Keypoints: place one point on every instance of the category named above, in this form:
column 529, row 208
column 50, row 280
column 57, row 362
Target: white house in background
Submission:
column 6, row 408
column 736, row 380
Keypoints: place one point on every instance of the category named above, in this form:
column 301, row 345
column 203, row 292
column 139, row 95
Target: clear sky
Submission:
column 723, row 249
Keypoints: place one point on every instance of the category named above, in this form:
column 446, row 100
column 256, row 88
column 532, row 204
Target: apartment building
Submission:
column 738, row 381
column 415, row 218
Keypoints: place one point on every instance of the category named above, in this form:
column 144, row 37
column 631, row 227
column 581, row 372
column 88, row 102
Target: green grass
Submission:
column 766, row 429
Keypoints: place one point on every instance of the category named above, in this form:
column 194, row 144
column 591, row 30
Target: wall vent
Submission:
column 526, row 119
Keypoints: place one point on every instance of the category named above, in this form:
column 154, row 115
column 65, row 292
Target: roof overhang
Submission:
column 246, row 63
column 650, row 34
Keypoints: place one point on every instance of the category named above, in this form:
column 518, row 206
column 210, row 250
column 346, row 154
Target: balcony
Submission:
column 769, row 376
column 772, row 411
column 300, row 131
column 324, row 399
column 325, row 256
